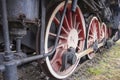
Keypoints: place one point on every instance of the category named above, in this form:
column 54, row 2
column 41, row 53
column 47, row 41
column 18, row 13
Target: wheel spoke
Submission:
column 92, row 30
column 91, row 40
column 80, row 39
column 63, row 45
column 91, row 36
column 77, row 25
column 60, row 45
column 93, row 24
column 66, row 23
column 56, row 21
column 65, row 30
column 69, row 17
column 62, row 37
column 74, row 20
column 90, row 43
column 79, row 31
column 80, row 46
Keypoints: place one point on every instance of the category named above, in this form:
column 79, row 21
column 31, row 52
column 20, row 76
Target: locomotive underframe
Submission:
column 8, row 64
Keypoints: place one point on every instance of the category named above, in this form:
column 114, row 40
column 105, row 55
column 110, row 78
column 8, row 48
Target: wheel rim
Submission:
column 73, row 31
column 93, row 35
column 103, row 32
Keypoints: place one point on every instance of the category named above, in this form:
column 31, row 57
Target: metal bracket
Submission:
column 68, row 57
column 74, row 5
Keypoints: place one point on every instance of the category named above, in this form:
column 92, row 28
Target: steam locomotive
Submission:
column 56, row 33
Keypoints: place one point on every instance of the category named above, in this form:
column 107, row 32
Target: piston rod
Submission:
column 87, row 51
column 36, row 57
column 59, row 29
column 10, row 71
column 5, row 28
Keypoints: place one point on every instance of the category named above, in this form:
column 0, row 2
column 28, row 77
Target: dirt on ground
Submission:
column 105, row 66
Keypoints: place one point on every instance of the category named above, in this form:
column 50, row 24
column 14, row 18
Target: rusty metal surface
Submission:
column 29, row 8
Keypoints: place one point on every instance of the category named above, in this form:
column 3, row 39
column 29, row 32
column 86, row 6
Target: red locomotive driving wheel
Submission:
column 103, row 32
column 93, row 35
column 72, row 36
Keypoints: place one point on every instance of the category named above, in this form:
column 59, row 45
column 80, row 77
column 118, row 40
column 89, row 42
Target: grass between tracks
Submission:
column 109, row 65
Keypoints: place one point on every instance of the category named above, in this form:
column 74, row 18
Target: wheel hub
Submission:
column 95, row 36
column 73, row 38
